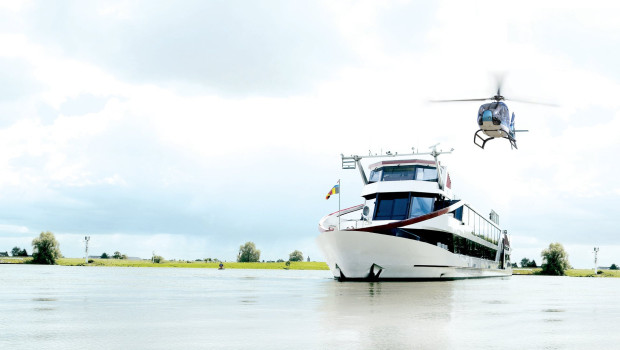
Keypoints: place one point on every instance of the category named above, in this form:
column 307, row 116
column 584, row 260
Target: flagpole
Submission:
column 339, row 194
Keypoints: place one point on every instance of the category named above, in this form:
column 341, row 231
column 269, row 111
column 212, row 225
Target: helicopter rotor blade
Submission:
column 499, row 81
column 463, row 100
column 532, row 102
column 499, row 86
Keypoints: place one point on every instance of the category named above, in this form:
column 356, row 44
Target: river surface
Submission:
column 60, row 307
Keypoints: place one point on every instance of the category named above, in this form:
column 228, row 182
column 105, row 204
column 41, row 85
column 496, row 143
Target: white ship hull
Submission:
column 367, row 255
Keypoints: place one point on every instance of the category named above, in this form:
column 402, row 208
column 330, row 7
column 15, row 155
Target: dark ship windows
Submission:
column 400, row 206
column 392, row 206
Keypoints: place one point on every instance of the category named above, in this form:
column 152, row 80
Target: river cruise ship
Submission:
column 410, row 226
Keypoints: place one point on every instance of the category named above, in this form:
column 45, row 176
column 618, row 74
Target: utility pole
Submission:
column 596, row 260
column 86, row 239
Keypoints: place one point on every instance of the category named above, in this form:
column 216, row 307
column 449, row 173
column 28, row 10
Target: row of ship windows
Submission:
column 448, row 241
column 400, row 173
column 481, row 227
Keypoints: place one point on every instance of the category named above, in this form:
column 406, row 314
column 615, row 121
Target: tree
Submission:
column 248, row 253
column 105, row 256
column 525, row 262
column 117, row 255
column 15, row 251
column 19, row 252
column 158, row 259
column 532, row 264
column 613, row 267
column 555, row 260
column 45, row 249
column 296, row 256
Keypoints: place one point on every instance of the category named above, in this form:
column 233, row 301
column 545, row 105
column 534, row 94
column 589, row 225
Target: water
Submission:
column 56, row 307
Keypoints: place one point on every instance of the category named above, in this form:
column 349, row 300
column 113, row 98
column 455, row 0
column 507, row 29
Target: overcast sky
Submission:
column 190, row 127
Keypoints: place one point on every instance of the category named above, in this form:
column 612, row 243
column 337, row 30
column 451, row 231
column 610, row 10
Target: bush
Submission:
column 248, row 253
column 105, row 256
column 296, row 256
column 45, row 249
column 90, row 261
column 613, row 267
column 158, row 259
column 555, row 260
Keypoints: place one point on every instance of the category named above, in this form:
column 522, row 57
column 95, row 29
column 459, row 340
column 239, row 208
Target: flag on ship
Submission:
column 334, row 190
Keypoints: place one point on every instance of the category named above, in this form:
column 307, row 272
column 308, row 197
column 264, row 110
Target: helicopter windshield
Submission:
column 499, row 111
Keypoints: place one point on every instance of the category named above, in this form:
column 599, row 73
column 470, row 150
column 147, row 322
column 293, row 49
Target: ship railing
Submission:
column 343, row 218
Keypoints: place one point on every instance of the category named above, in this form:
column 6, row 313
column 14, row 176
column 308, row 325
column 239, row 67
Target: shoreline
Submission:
column 295, row 265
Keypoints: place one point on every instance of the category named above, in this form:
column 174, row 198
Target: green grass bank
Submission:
column 295, row 265
column 570, row 272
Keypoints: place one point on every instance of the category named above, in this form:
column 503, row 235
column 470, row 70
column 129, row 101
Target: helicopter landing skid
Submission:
column 478, row 139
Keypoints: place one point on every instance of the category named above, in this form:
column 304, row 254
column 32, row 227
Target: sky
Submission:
column 187, row 128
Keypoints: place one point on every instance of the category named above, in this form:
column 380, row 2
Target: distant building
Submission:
column 3, row 254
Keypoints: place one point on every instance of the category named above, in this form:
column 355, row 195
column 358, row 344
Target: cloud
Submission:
column 13, row 228
column 280, row 48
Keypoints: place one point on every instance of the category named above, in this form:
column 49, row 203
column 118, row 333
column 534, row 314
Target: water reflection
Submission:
column 386, row 314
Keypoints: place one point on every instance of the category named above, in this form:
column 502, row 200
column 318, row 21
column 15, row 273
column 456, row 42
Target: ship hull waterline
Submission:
column 368, row 256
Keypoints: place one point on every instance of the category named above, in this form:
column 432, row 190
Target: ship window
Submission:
column 392, row 207
column 426, row 174
column 399, row 173
column 458, row 214
column 421, row 206
column 375, row 175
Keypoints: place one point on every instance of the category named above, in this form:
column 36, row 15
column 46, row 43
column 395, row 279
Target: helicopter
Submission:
column 494, row 119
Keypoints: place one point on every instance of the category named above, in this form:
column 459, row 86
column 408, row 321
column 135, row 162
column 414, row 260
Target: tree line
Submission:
column 46, row 250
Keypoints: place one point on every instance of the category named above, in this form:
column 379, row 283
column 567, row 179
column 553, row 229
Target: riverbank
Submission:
column 294, row 265
column 571, row 272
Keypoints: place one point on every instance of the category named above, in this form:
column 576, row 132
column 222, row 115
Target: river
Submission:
column 59, row 307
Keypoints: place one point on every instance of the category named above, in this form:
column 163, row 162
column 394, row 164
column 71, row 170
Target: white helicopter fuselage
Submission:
column 493, row 130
